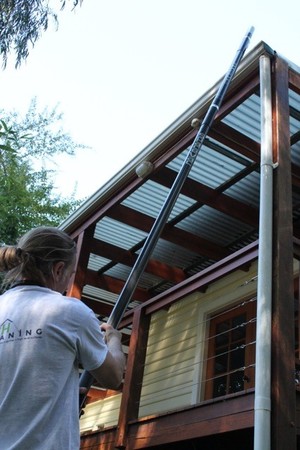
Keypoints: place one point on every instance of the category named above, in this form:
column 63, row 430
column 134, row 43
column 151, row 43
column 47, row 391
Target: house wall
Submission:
column 174, row 372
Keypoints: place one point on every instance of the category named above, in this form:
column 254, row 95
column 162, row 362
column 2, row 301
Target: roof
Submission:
column 216, row 212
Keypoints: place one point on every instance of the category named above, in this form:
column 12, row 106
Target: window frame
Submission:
column 248, row 307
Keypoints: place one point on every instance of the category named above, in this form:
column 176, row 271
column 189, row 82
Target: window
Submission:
column 231, row 351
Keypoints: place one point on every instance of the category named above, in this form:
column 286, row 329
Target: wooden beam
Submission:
column 122, row 256
column 134, row 375
column 99, row 307
column 245, row 145
column 294, row 80
column 237, row 141
column 295, row 138
column 203, row 420
column 112, row 284
column 283, row 359
column 295, row 175
column 239, row 94
column 175, row 235
column 82, row 259
column 211, row 197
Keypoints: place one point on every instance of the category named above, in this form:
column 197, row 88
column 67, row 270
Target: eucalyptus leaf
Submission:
column 22, row 23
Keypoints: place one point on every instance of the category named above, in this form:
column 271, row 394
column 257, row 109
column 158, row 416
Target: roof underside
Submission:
column 215, row 214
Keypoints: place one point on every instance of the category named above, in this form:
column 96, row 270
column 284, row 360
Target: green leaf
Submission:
column 7, row 148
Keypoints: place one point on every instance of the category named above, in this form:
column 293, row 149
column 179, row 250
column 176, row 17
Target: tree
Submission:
column 28, row 146
column 22, row 22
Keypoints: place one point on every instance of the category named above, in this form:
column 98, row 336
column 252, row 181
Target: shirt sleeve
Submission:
column 91, row 348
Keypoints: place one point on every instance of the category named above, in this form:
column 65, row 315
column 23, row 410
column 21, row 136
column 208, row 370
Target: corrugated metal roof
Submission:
column 215, row 214
column 150, row 197
column 247, row 189
column 246, row 118
column 214, row 226
column 294, row 101
column 214, row 167
column 118, row 234
column 97, row 262
column 175, row 255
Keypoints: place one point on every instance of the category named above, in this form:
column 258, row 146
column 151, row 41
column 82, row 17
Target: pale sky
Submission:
column 123, row 70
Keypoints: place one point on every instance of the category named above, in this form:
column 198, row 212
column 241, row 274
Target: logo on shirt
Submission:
column 10, row 332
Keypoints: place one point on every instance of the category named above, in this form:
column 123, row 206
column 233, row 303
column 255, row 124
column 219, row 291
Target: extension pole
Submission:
column 262, row 403
column 143, row 258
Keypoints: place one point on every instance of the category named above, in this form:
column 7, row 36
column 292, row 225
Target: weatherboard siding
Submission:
column 175, row 362
column 101, row 414
column 169, row 366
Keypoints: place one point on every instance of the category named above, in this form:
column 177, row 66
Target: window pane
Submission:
column 222, row 335
column 237, row 358
column 221, row 363
column 219, row 387
column 236, row 382
column 239, row 327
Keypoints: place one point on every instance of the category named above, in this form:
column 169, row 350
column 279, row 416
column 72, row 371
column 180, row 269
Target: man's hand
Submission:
column 110, row 373
column 110, row 333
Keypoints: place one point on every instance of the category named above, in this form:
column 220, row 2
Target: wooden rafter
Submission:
column 175, row 235
column 211, row 197
column 119, row 255
column 112, row 284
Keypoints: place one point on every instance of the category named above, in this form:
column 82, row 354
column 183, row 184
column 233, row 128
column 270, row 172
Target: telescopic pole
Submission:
column 119, row 309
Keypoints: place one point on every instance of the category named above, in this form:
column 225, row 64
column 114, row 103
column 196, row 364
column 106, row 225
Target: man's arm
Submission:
column 110, row 373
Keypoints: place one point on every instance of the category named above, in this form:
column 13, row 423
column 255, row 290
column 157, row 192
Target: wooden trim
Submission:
column 214, row 418
column 249, row 310
column 294, row 80
column 104, row 440
column 78, row 281
column 134, row 375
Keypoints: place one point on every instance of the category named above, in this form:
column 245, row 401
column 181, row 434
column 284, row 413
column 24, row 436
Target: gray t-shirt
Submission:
column 43, row 337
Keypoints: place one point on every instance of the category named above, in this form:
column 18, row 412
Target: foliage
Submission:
column 22, row 22
column 27, row 192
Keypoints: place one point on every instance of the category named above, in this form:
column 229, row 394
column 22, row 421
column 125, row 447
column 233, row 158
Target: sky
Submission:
column 121, row 71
